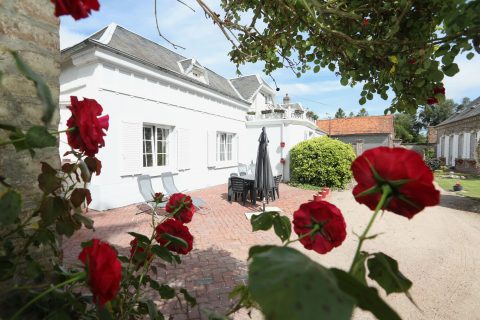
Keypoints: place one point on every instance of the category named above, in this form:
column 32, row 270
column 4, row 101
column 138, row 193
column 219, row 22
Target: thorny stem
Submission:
column 315, row 229
column 75, row 278
column 386, row 191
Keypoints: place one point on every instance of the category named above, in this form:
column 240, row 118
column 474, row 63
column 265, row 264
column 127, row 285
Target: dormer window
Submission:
column 193, row 69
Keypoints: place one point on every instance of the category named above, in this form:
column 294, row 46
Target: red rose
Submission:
column 88, row 134
column 412, row 61
column 158, row 197
column 438, row 90
column 404, row 171
column 78, row 9
column 327, row 218
column 181, row 205
column 134, row 248
column 104, row 270
column 432, row 101
column 365, row 22
column 177, row 229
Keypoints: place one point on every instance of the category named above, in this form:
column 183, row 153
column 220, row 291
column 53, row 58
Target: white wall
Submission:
column 464, row 152
column 131, row 99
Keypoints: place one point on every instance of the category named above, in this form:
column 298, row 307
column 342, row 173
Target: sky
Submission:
column 320, row 92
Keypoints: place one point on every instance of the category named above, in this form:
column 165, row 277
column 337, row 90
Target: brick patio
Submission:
column 437, row 250
column 222, row 237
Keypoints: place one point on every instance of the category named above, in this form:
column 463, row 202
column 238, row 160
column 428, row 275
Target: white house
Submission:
column 457, row 138
column 171, row 113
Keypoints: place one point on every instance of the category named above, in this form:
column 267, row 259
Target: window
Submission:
column 473, row 143
column 155, row 146
column 266, row 97
column 224, row 146
column 442, row 146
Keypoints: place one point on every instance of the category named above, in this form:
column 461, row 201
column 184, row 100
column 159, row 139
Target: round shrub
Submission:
column 433, row 163
column 322, row 161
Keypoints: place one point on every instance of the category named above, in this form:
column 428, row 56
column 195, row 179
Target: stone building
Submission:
column 457, row 139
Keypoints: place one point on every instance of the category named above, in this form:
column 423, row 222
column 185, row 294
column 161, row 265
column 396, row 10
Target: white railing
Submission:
column 287, row 114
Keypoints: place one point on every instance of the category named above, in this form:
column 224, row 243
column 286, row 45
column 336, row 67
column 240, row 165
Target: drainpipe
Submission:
column 281, row 149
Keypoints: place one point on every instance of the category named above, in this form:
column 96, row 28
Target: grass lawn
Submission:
column 471, row 185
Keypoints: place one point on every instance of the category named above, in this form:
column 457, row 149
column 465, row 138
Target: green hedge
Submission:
column 322, row 162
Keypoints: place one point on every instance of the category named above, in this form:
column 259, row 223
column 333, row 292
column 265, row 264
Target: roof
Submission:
column 471, row 110
column 246, row 85
column 357, row 125
column 134, row 46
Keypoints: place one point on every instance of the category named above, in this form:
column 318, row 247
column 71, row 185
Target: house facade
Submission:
column 457, row 139
column 169, row 113
column 362, row 132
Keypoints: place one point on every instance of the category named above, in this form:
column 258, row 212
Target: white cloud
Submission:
column 312, row 87
column 69, row 38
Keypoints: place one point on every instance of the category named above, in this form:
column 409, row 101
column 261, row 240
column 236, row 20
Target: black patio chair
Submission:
column 239, row 186
column 276, row 188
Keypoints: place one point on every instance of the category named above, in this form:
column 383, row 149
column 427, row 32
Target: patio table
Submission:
column 250, row 178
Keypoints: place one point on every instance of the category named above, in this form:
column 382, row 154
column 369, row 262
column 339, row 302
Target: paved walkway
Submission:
column 437, row 250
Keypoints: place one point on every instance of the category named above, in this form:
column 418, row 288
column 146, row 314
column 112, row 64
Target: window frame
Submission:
column 224, row 152
column 154, row 142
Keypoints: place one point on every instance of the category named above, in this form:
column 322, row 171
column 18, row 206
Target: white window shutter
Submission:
column 236, row 148
column 183, row 149
column 131, row 148
column 211, row 148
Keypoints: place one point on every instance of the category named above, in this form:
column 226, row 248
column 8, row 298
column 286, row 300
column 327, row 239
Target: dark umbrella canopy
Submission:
column 263, row 171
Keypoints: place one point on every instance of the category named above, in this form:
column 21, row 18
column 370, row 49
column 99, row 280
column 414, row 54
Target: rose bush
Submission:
column 177, row 229
column 181, row 207
column 78, row 9
column 104, row 270
column 86, row 126
column 403, row 171
column 320, row 225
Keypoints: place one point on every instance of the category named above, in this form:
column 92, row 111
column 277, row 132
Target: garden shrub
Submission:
column 433, row 163
column 322, row 161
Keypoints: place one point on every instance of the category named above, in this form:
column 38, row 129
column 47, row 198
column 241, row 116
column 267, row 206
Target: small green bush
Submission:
column 433, row 163
column 322, row 162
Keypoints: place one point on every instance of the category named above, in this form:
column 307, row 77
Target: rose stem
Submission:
column 386, row 191
column 76, row 277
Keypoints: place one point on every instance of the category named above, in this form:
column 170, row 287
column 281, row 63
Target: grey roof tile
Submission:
column 134, row 45
column 471, row 110
column 246, row 86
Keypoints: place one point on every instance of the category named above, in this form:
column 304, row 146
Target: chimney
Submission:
column 286, row 99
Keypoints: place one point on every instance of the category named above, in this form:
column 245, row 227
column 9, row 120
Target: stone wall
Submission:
column 30, row 28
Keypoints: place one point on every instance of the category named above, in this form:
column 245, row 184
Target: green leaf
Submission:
column 153, row 312
column 18, row 140
column 65, row 228
column 51, row 209
column 362, row 101
column 436, row 75
column 86, row 221
column 384, row 270
column 343, row 81
column 39, row 137
column 470, row 55
column 163, row 253
column 316, row 69
column 8, row 127
column 258, row 249
column 282, row 227
column 189, row 298
column 49, row 182
column 331, row 66
column 166, row 292
column 43, row 91
column 451, row 69
column 10, row 207
column 262, row 221
column 367, row 298
column 358, row 268
column 7, row 269
column 288, row 286
column 140, row 237
column 175, row 240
